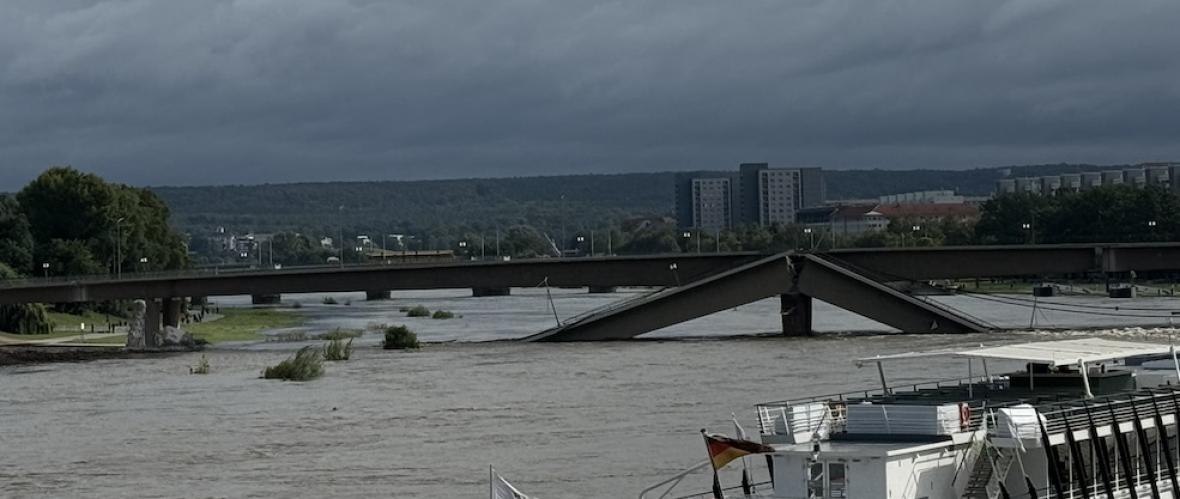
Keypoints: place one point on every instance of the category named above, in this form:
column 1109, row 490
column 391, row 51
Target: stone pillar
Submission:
column 266, row 299
column 136, row 339
column 477, row 292
column 602, row 289
column 151, row 323
column 377, row 295
column 172, row 308
column 796, row 314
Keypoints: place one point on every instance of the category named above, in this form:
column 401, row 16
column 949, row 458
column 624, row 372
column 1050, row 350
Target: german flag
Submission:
column 723, row 449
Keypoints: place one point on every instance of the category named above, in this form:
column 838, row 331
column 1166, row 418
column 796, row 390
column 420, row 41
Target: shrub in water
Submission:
column 307, row 363
column 328, row 300
column 202, row 367
column 338, row 349
column 418, row 311
column 297, row 304
column 400, row 338
column 442, row 314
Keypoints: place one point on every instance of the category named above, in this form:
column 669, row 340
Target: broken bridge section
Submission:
column 796, row 278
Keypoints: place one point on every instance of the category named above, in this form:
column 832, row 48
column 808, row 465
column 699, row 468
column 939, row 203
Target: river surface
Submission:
column 592, row 420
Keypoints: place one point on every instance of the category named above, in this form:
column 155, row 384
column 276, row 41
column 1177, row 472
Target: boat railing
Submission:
column 1112, row 409
column 837, row 402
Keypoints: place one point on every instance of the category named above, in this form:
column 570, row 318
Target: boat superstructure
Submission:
column 1076, row 418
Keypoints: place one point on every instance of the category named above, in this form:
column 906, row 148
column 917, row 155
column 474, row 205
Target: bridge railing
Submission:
column 612, row 306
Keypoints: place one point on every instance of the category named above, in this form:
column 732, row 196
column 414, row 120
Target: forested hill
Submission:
column 561, row 201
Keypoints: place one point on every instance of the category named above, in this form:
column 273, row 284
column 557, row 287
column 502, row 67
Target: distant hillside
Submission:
column 571, row 201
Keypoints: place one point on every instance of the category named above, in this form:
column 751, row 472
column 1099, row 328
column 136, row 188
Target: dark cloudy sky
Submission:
column 213, row 92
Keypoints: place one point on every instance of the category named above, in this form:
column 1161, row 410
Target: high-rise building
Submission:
column 755, row 194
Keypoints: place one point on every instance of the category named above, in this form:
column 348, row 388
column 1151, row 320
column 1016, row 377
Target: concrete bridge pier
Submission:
column 151, row 323
column 478, row 292
column 172, row 309
column 796, row 314
column 266, row 299
column 594, row 290
column 378, row 295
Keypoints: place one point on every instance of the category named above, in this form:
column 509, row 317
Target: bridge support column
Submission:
column 266, row 299
column 172, row 308
column 796, row 314
column 377, row 295
column 594, row 290
column 477, row 292
column 151, row 323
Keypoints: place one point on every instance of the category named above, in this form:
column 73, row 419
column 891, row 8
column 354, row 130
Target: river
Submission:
column 559, row 420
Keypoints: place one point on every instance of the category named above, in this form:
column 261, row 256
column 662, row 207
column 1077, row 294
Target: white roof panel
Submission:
column 1054, row 353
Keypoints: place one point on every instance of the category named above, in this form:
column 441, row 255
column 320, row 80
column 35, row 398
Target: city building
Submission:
column 1158, row 174
column 939, row 196
column 844, row 220
column 755, row 194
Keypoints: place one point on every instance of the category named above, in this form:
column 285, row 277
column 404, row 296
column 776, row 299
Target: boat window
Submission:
column 836, row 480
column 815, row 481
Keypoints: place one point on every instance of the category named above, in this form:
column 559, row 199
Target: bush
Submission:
column 306, row 364
column 338, row 349
column 418, row 311
column 442, row 314
column 328, row 300
column 297, row 304
column 202, row 367
column 400, row 338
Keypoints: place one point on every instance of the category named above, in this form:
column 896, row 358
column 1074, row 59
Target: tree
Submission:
column 29, row 318
column 16, row 241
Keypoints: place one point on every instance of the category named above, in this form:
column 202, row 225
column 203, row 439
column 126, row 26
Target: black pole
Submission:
column 1075, row 452
column 1051, row 455
column 1120, row 441
column 1161, row 433
column 1104, row 467
column 770, row 468
column 1144, row 450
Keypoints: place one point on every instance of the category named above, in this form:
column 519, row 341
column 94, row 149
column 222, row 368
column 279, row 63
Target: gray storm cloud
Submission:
column 214, row 92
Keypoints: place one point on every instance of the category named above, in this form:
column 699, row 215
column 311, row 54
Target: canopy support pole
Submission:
column 1085, row 378
column 1175, row 361
column 970, row 379
column 881, row 374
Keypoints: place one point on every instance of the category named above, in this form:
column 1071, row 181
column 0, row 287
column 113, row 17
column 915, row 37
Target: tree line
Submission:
column 69, row 223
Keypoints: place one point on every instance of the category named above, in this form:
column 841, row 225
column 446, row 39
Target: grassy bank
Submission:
column 71, row 323
column 243, row 324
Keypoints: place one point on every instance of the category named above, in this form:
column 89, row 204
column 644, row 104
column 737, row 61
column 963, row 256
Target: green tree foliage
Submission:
column 1106, row 214
column 291, row 248
column 16, row 241
column 22, row 319
column 77, row 221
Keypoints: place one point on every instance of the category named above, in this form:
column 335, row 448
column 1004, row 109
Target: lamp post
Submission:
column 340, row 243
column 1032, row 237
column 675, row 274
column 119, row 247
column 45, row 268
column 142, row 263
column 915, row 229
column 686, row 235
column 581, row 239
column 462, row 246
column 810, row 237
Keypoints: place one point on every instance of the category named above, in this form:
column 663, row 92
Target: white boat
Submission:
column 1081, row 419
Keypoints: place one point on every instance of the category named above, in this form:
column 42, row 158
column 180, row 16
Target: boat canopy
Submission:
column 1053, row 353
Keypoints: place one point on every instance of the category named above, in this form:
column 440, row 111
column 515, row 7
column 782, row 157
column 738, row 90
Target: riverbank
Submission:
column 26, row 354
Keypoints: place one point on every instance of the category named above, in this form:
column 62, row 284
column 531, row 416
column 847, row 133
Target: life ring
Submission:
column 964, row 415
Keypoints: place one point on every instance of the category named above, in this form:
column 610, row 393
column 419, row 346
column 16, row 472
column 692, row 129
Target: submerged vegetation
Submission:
column 306, row 364
column 443, row 314
column 418, row 311
column 202, row 367
column 243, row 324
column 329, row 300
column 400, row 338
column 338, row 349
column 341, row 334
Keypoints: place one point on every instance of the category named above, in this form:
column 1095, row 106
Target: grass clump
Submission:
column 202, row 367
column 400, row 338
column 329, row 300
column 418, row 311
column 443, row 314
column 338, row 349
column 306, row 364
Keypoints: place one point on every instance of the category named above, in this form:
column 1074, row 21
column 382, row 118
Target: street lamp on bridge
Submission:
column 45, row 268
